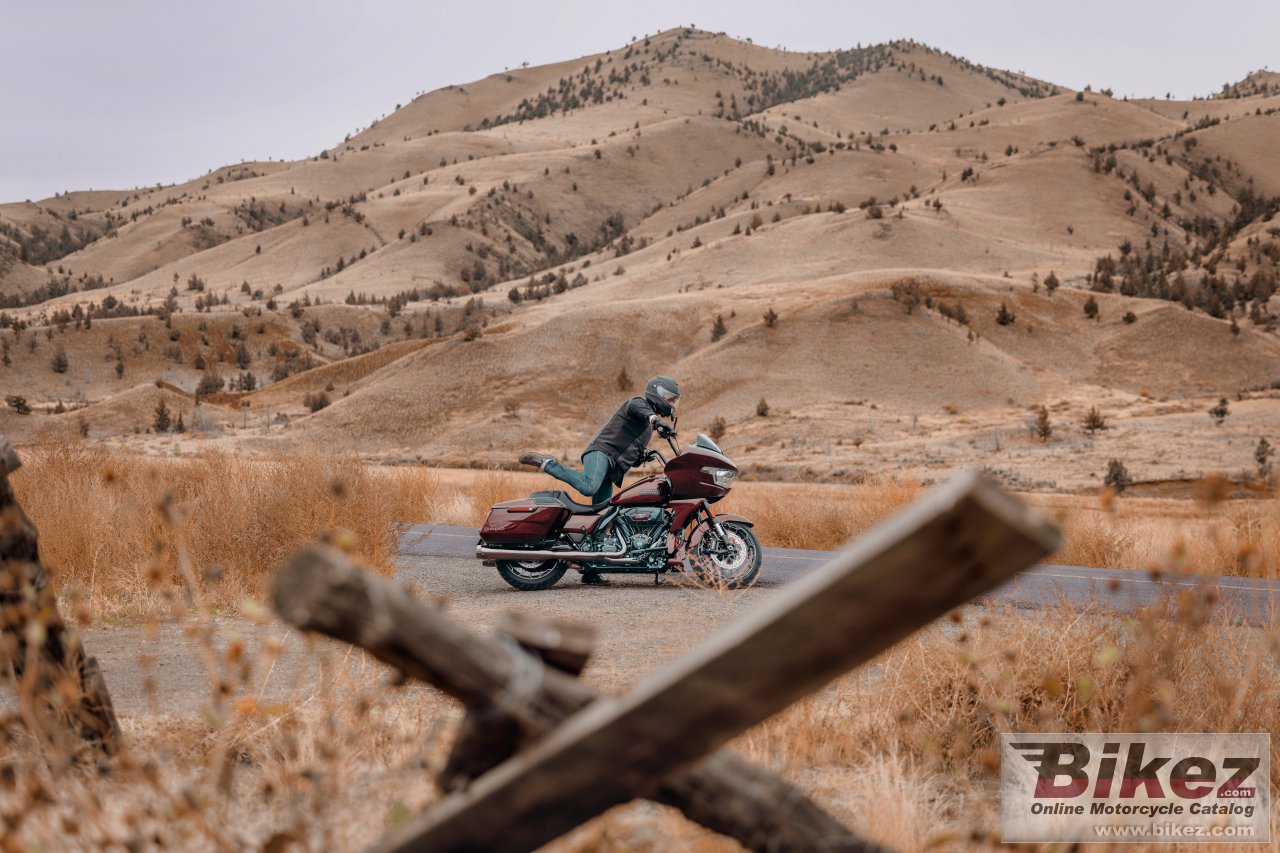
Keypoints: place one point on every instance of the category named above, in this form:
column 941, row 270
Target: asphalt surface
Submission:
column 1246, row 601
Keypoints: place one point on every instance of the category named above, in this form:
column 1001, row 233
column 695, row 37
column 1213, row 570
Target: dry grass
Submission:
column 107, row 518
column 904, row 751
column 332, row 765
column 111, row 524
column 933, row 708
column 1208, row 537
column 818, row 517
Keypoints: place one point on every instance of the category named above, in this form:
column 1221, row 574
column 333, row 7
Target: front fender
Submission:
column 703, row 527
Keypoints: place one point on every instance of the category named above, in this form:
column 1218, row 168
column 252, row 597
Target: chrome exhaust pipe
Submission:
column 486, row 553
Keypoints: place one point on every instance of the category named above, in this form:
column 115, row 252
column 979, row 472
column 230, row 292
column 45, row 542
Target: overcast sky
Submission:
column 107, row 94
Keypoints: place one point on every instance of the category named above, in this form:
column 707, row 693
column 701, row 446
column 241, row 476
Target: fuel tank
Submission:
column 649, row 491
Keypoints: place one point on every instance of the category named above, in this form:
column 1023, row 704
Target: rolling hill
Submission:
column 873, row 260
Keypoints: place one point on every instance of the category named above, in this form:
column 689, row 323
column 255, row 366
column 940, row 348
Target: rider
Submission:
column 618, row 447
column 620, row 444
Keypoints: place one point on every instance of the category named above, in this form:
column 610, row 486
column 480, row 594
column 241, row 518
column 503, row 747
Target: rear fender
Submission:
column 702, row 528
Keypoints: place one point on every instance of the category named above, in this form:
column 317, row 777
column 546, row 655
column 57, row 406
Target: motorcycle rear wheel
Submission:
column 734, row 564
column 532, row 575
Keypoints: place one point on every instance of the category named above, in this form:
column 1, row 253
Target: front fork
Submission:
column 676, row 548
column 712, row 520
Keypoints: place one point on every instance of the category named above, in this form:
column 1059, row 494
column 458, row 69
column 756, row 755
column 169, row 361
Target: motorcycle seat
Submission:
column 563, row 499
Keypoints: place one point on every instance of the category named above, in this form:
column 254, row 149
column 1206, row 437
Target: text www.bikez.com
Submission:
column 1172, row 830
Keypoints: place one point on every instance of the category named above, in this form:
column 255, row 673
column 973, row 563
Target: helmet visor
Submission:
column 671, row 398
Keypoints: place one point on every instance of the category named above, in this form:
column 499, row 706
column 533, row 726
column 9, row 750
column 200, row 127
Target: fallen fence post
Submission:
column 320, row 590
column 489, row 736
column 55, row 676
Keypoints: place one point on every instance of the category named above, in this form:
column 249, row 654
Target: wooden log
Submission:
column 956, row 543
column 487, row 736
column 29, row 614
column 564, row 645
column 320, row 590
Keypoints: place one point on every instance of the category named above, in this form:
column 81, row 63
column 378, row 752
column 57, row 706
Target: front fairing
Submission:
column 691, row 473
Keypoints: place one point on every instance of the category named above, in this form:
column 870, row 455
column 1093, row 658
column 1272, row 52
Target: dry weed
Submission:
column 1223, row 538
column 817, row 517
column 932, row 708
column 103, row 516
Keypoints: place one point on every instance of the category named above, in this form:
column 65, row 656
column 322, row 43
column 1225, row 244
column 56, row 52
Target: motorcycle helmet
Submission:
column 663, row 393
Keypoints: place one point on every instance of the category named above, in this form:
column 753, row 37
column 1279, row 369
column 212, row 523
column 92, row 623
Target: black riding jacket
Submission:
column 624, row 437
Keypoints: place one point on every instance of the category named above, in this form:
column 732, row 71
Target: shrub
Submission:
column 907, row 294
column 315, row 402
column 717, row 429
column 1117, row 476
column 1219, row 412
column 718, row 329
column 770, row 318
column 18, row 404
column 762, row 408
column 1051, row 282
column 210, row 383
column 623, row 379
column 1004, row 316
column 59, row 361
column 1262, row 455
column 1094, row 421
column 161, row 421
column 1090, row 308
column 1130, row 318
column 1042, row 427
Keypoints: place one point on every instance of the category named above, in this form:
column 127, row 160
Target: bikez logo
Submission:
column 1191, row 778
column 1132, row 787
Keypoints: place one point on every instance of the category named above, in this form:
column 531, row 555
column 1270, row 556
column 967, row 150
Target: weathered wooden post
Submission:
column 61, row 689
column 489, row 736
column 321, row 590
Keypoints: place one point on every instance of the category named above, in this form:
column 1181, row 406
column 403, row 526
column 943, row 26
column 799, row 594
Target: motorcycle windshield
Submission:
column 707, row 444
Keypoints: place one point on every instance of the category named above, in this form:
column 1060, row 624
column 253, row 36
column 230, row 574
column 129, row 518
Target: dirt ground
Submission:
column 641, row 626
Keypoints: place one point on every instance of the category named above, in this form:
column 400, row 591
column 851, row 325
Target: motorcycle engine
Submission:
column 643, row 526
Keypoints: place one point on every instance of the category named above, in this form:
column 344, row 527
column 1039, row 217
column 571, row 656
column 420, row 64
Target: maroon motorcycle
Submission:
column 659, row 524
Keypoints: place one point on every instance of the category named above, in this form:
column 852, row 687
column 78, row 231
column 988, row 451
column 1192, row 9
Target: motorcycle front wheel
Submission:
column 730, row 564
column 531, row 575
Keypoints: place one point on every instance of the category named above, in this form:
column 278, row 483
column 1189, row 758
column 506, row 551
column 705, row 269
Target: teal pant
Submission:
column 592, row 480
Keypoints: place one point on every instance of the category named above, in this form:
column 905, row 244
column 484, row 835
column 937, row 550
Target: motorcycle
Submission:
column 659, row 524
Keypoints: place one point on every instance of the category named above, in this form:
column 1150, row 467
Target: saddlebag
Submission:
column 521, row 522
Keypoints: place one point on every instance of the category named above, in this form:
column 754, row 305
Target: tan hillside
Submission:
column 473, row 274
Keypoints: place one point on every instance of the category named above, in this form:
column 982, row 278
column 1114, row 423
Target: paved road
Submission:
column 1249, row 601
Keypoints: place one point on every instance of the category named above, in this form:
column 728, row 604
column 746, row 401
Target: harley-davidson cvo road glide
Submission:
column 659, row 524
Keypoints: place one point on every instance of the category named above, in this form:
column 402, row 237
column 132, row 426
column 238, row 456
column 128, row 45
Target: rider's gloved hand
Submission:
column 664, row 430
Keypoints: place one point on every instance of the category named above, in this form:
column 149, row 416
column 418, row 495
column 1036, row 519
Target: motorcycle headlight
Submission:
column 722, row 477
